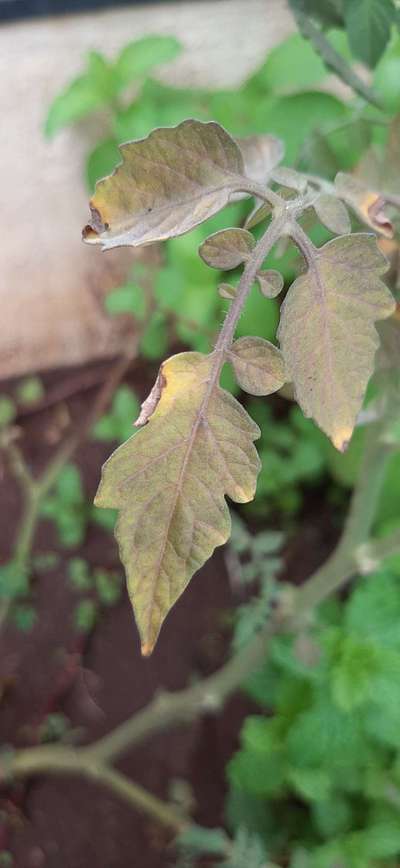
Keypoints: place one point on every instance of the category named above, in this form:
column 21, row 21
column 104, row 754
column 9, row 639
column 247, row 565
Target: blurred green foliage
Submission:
column 318, row 772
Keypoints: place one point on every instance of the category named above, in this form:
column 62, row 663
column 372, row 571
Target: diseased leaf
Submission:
column 270, row 282
column 261, row 154
column 167, row 183
column 257, row 215
column 225, row 290
column 227, row 249
column 327, row 331
column 290, row 178
column 367, row 204
column 169, row 483
column 258, row 366
column 333, row 214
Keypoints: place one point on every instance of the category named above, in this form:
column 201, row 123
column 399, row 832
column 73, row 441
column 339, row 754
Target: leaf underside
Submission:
column 227, row 248
column 169, row 483
column 258, row 365
column 327, row 332
column 167, row 183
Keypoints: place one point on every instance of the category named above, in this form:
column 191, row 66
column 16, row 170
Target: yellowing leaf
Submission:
column 258, row 366
column 169, row 483
column 227, row 249
column 270, row 282
column 368, row 204
column 327, row 331
column 167, row 183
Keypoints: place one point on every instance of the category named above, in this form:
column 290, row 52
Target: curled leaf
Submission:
column 166, row 184
column 225, row 290
column 169, row 483
column 258, row 365
column 333, row 214
column 227, row 249
column 257, row 215
column 270, row 282
column 327, row 331
column 368, row 204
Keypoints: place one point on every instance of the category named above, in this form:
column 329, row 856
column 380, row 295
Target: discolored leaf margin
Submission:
column 367, row 204
column 227, row 248
column 166, row 185
column 327, row 332
column 258, row 365
column 169, row 483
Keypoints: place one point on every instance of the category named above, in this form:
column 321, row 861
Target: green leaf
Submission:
column 29, row 391
column 138, row 58
column 227, row 249
column 387, row 78
column 69, row 484
column 8, row 411
column 117, row 424
column 24, row 617
column 101, row 162
column 368, row 25
column 352, row 675
column 198, row 839
column 333, row 816
column 328, row 13
column 259, row 767
column 276, row 74
column 154, row 341
column 333, row 214
column 85, row 616
column 79, row 574
column 169, row 482
column 314, row 785
column 85, row 94
column 258, row 366
column 128, row 298
column 329, row 362
column 166, row 185
column 108, row 587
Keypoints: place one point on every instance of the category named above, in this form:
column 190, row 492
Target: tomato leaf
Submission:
column 227, row 249
column 258, row 366
column 169, row 483
column 327, row 331
column 167, row 183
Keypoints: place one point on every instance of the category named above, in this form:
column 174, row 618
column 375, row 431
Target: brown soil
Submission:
column 100, row 680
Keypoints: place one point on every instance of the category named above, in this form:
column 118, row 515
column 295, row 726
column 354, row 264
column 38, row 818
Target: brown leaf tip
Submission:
column 150, row 404
column 92, row 231
column 147, row 649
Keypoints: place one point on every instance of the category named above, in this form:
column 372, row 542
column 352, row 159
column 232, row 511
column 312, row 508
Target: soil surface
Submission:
column 98, row 680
